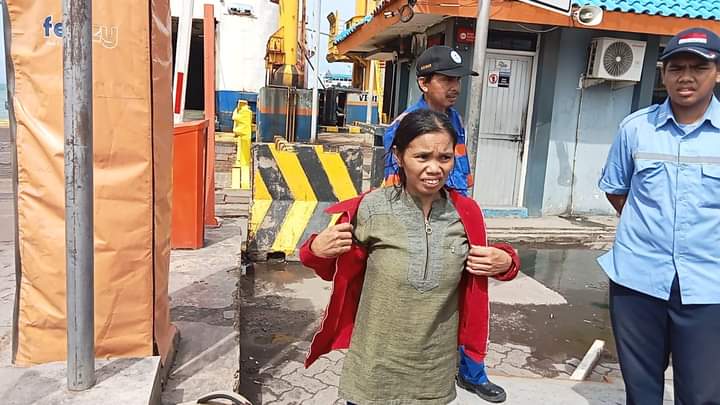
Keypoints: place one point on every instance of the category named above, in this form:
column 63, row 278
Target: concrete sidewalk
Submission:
column 203, row 306
column 595, row 232
column 290, row 383
column 531, row 391
column 130, row 381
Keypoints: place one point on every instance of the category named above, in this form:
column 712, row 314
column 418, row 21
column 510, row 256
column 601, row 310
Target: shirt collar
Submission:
column 438, row 205
column 712, row 114
column 422, row 104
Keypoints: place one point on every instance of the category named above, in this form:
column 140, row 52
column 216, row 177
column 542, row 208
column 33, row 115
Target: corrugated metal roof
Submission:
column 700, row 9
column 346, row 32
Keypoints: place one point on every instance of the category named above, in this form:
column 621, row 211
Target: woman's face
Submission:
column 427, row 162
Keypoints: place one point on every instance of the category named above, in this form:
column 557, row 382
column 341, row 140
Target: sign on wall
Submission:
column 558, row 6
column 493, row 78
column 465, row 35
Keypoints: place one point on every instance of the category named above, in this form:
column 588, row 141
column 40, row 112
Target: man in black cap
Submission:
column 663, row 176
column 439, row 71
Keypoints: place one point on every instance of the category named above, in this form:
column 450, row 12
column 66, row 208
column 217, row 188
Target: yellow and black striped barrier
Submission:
column 350, row 129
column 292, row 186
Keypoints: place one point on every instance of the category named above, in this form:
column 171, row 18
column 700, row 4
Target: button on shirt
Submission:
column 671, row 220
column 460, row 178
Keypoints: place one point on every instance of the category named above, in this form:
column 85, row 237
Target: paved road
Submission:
column 282, row 304
column 7, row 257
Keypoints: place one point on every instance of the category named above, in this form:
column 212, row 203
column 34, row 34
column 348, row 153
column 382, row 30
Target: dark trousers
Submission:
column 647, row 330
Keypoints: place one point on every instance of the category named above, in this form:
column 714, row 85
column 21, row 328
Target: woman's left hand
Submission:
column 487, row 261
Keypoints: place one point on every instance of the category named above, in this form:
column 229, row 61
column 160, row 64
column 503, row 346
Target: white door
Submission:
column 503, row 120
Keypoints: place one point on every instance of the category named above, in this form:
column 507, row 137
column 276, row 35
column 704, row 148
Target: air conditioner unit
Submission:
column 616, row 59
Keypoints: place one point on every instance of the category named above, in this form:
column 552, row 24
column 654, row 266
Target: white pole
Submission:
column 371, row 93
column 182, row 55
column 316, row 101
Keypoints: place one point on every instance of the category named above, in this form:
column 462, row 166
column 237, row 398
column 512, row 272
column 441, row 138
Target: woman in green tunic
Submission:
column 404, row 344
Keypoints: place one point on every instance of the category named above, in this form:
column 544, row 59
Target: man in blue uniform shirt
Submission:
column 439, row 71
column 663, row 177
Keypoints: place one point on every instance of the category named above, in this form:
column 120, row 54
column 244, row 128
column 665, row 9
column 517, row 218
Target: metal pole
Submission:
column 371, row 93
column 209, row 81
column 78, row 110
column 482, row 26
column 316, row 87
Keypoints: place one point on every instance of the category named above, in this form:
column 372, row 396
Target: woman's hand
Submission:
column 333, row 241
column 487, row 261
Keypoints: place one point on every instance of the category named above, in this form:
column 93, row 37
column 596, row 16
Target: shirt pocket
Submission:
column 648, row 177
column 710, row 193
column 454, row 257
column 459, row 247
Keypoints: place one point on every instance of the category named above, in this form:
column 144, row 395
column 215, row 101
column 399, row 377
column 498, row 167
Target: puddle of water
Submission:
column 559, row 332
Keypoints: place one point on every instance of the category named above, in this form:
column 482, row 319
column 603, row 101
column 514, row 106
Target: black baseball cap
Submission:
column 443, row 60
column 699, row 41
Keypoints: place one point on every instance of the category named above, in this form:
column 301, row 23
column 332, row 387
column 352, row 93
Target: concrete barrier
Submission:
column 293, row 184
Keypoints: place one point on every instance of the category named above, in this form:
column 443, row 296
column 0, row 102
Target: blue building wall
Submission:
column 573, row 127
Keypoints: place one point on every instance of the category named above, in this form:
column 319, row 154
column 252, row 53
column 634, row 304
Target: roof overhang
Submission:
column 371, row 37
column 385, row 26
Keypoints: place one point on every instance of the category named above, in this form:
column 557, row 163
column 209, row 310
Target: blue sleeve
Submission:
column 462, row 162
column 619, row 167
column 389, row 135
column 390, row 165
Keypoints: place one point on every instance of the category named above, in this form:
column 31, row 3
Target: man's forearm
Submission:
column 617, row 201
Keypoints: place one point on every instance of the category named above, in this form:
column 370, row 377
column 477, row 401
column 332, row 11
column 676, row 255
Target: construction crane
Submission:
column 366, row 74
column 285, row 55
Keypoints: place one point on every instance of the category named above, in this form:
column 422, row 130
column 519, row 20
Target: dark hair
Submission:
column 415, row 124
column 427, row 77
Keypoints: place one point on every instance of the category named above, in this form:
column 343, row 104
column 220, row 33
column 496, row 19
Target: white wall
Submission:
column 240, row 43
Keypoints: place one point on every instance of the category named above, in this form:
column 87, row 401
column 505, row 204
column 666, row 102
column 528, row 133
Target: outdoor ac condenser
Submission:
column 616, row 59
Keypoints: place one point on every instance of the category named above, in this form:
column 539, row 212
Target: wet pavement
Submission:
column 279, row 309
column 541, row 325
column 558, row 333
column 203, row 306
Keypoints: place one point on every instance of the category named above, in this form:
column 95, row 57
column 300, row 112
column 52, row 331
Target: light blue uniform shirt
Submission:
column 671, row 221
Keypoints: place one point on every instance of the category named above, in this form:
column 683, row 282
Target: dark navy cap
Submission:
column 443, row 60
column 699, row 41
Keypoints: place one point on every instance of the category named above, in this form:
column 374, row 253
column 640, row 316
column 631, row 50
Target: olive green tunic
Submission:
column 404, row 344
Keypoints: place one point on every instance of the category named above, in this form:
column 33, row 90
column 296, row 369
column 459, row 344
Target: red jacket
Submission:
column 347, row 273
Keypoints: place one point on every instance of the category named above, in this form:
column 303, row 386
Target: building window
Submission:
column 512, row 40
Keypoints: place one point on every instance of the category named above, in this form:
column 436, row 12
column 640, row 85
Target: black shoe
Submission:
column 487, row 390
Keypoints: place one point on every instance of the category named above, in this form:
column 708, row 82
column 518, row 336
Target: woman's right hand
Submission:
column 333, row 241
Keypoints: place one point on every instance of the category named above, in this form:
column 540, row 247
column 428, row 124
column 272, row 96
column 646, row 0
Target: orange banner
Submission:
column 133, row 156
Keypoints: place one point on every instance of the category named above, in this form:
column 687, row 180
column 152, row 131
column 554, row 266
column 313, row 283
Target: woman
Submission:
column 409, row 268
